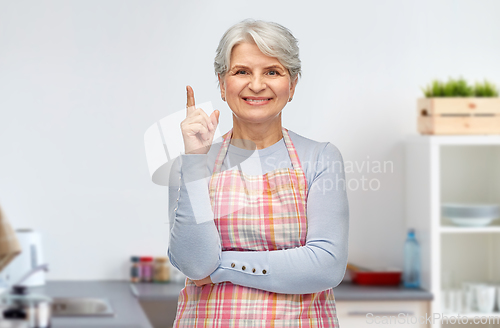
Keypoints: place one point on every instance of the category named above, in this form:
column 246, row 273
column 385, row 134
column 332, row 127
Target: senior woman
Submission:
column 258, row 222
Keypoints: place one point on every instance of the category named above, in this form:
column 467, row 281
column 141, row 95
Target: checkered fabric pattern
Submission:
column 256, row 213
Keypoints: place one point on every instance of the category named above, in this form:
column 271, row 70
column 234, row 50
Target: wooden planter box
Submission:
column 459, row 115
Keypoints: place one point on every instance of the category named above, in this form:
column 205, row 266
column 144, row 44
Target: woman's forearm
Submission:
column 317, row 266
column 194, row 245
column 302, row 270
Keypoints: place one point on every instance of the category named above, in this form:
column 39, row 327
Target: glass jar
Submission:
column 135, row 269
column 161, row 270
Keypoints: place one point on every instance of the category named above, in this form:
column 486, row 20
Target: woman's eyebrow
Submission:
column 238, row 67
column 274, row 66
column 246, row 67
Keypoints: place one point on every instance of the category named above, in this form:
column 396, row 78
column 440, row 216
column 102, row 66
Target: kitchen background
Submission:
column 81, row 81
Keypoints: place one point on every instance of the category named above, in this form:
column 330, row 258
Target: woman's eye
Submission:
column 241, row 72
column 273, row 73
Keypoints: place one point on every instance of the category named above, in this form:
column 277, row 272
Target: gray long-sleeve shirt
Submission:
column 195, row 248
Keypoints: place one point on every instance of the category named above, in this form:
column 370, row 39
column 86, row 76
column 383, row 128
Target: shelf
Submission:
column 487, row 229
column 453, row 169
column 457, row 139
column 471, row 315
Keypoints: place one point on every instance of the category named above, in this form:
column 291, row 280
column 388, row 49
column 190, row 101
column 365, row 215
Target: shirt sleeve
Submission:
column 318, row 265
column 194, row 244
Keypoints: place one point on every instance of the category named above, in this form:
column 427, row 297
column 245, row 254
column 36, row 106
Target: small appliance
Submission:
column 31, row 256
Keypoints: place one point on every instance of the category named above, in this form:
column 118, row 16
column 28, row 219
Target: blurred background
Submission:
column 81, row 81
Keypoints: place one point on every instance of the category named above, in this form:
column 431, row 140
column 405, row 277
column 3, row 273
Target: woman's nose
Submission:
column 257, row 84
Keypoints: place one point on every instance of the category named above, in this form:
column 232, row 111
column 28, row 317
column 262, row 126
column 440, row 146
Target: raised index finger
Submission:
column 190, row 97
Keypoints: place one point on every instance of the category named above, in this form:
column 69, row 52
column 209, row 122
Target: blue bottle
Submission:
column 411, row 272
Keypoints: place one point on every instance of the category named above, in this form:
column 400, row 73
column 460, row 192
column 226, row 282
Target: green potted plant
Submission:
column 456, row 107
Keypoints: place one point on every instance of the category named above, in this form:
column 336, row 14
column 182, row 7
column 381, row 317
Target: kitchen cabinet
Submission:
column 461, row 169
column 381, row 306
column 361, row 314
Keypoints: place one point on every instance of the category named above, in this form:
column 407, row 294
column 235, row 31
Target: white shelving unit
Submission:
column 443, row 169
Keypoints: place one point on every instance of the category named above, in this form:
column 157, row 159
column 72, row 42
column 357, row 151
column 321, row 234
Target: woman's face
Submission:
column 256, row 86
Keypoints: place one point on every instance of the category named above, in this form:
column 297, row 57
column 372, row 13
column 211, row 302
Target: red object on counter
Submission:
column 146, row 268
column 386, row 278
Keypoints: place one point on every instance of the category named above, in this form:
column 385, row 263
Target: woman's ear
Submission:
column 293, row 85
column 222, row 87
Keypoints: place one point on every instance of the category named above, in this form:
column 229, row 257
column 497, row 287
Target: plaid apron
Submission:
column 256, row 213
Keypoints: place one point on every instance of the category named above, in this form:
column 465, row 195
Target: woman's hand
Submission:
column 198, row 128
column 203, row 281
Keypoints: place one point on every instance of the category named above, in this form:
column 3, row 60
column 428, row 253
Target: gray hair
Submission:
column 273, row 40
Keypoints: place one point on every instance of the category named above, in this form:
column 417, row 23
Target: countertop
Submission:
column 346, row 291
column 129, row 314
column 128, row 311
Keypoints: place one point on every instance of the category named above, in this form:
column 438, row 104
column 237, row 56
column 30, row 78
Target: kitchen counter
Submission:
column 129, row 314
column 344, row 292
column 127, row 310
column 347, row 291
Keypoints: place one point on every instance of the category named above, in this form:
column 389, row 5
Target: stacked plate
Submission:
column 470, row 215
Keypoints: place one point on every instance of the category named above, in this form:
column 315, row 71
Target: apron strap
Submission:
column 222, row 152
column 292, row 152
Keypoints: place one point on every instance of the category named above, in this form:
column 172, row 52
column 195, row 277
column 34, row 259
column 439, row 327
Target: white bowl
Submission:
column 465, row 210
column 472, row 222
column 470, row 215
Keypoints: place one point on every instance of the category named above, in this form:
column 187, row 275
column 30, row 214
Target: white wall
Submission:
column 80, row 81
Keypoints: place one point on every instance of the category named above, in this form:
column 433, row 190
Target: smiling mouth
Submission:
column 257, row 100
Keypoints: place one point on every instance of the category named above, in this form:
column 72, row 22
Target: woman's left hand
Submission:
column 203, row 281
